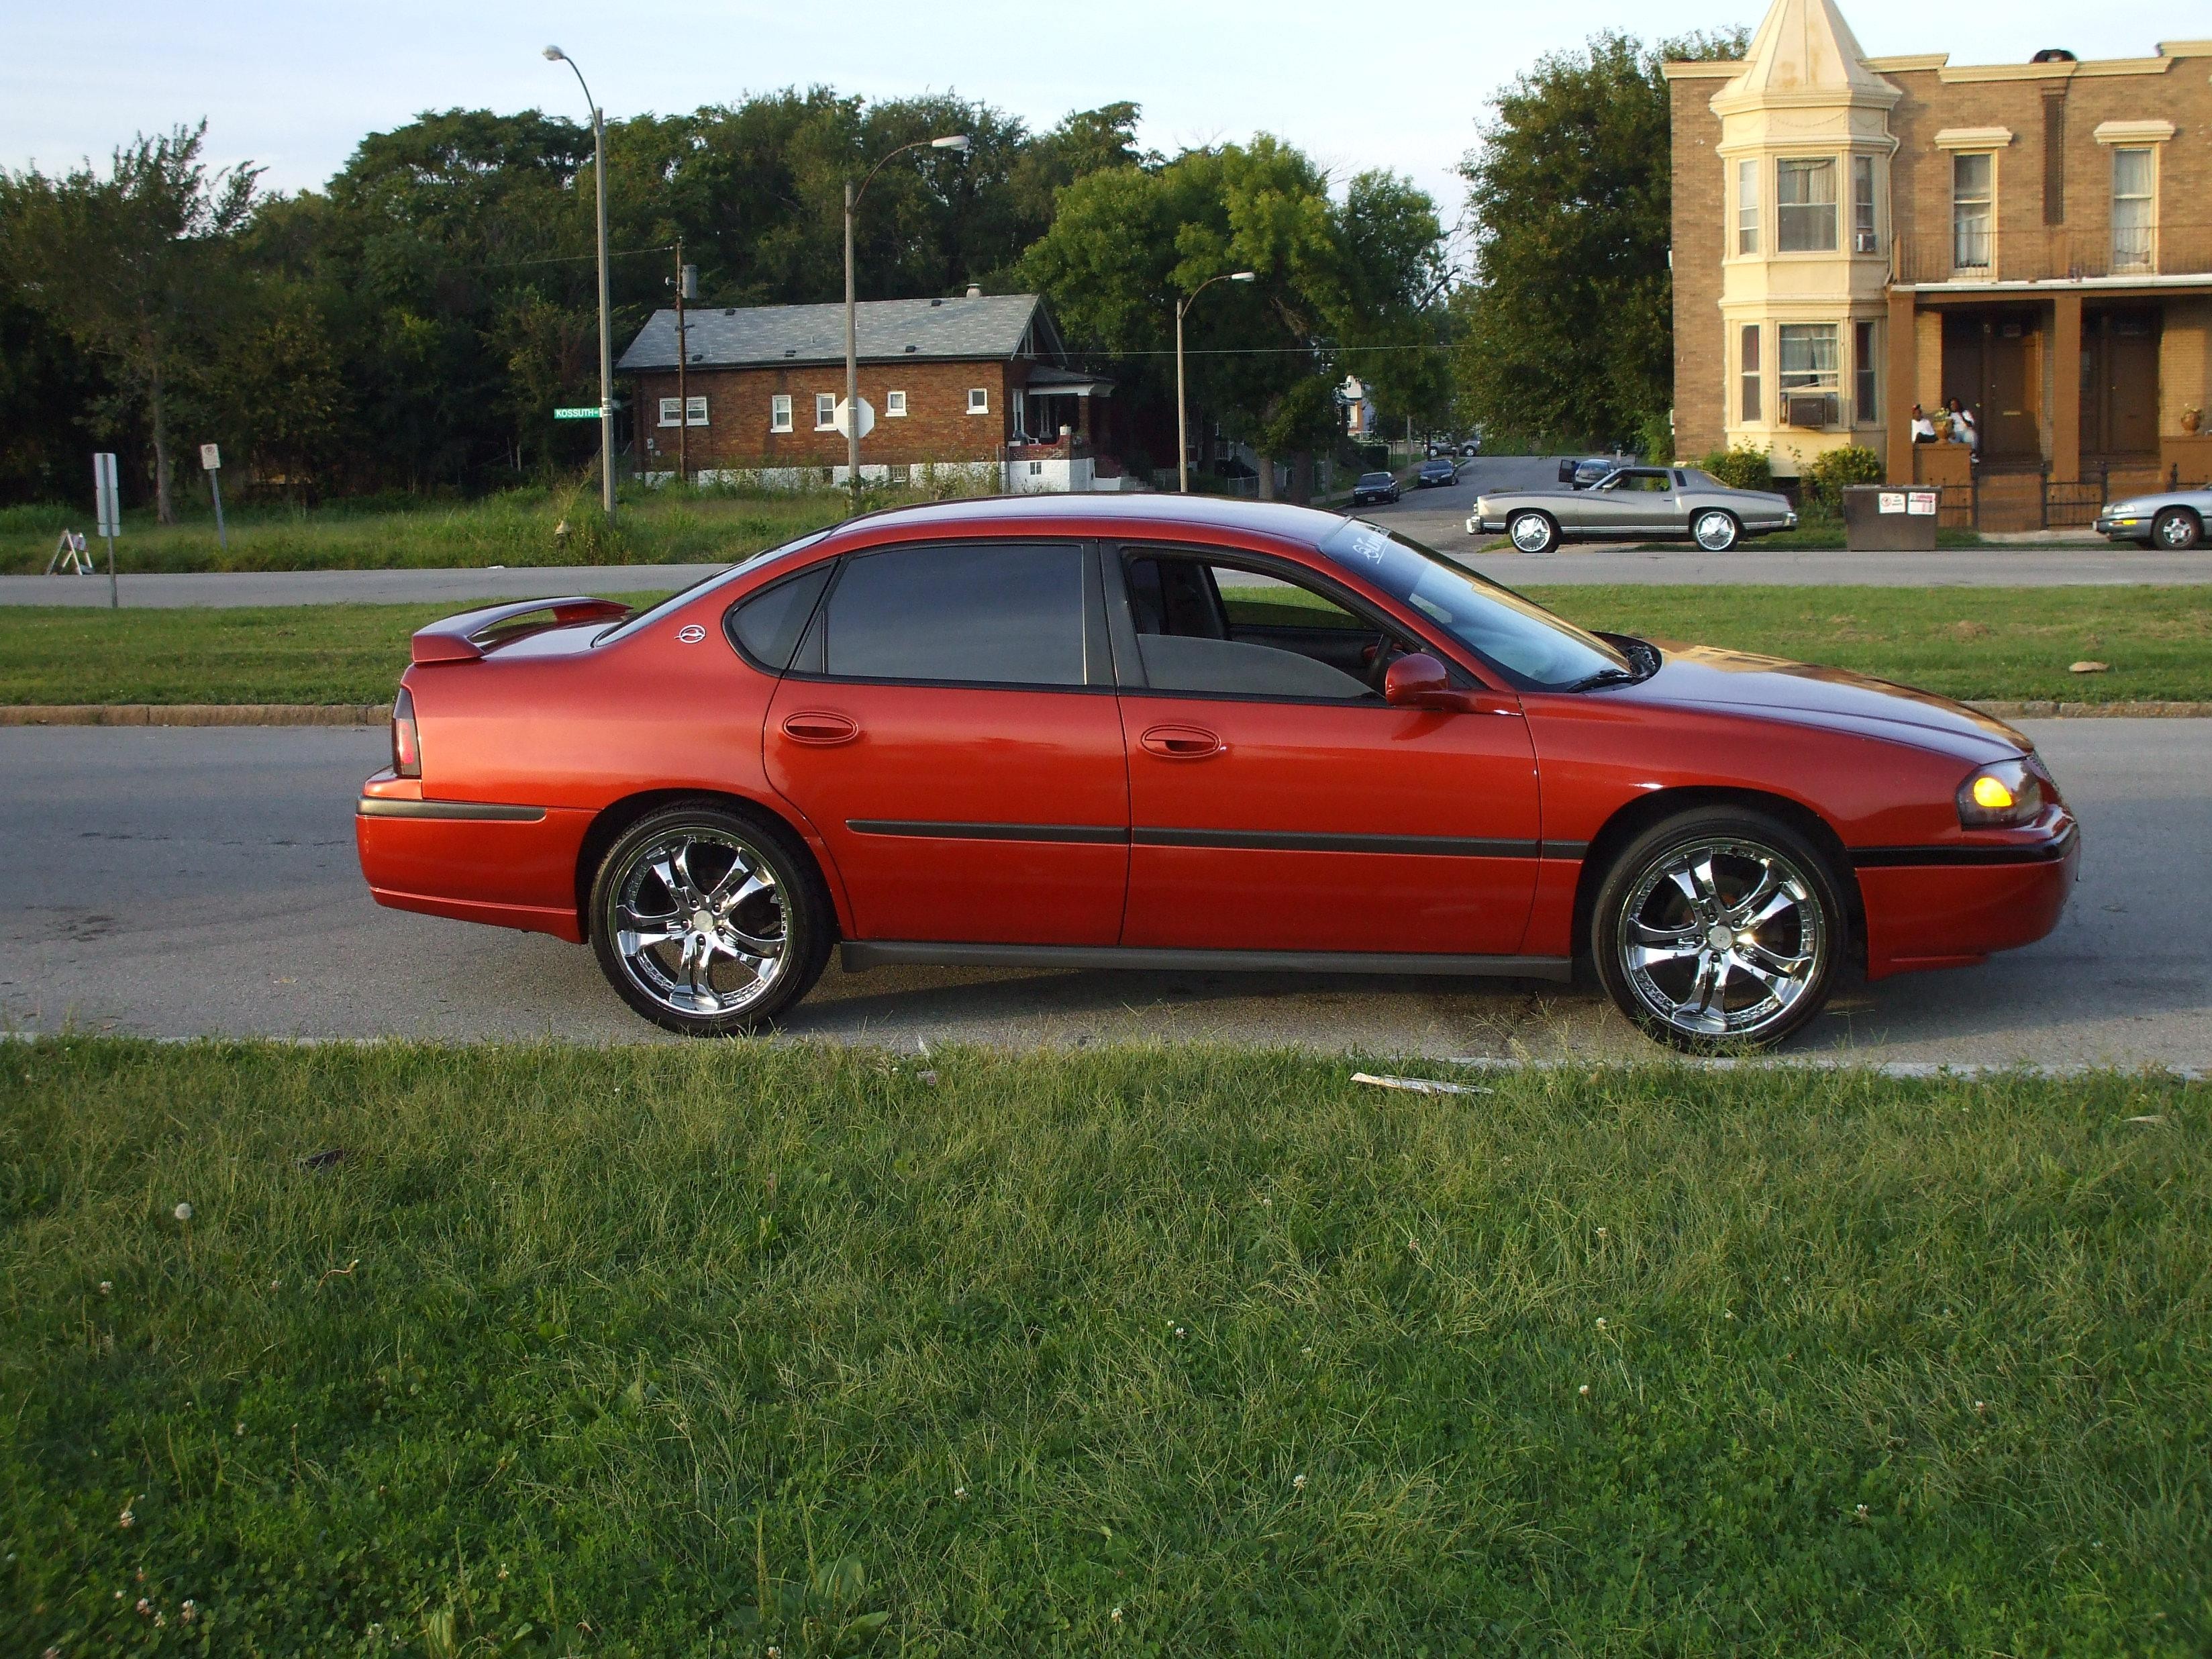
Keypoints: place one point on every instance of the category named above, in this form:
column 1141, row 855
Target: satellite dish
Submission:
column 844, row 417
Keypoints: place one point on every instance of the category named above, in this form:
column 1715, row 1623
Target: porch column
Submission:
column 1904, row 378
column 2066, row 387
column 1083, row 415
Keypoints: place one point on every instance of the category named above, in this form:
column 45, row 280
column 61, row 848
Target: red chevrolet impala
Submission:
column 1157, row 732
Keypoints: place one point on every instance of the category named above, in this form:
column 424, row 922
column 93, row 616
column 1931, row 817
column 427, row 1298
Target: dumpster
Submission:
column 1881, row 519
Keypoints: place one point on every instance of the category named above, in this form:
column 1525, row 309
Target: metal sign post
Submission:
column 211, row 463
column 107, row 505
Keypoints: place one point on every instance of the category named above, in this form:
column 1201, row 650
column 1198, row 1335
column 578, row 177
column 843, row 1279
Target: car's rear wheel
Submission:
column 709, row 922
column 1717, row 531
column 2177, row 529
column 1533, row 532
column 1719, row 929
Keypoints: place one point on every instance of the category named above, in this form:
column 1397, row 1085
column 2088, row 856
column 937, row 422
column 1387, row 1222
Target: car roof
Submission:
column 1148, row 514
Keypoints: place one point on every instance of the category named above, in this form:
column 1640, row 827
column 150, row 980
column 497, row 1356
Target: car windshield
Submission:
column 1540, row 651
column 1375, row 477
column 684, row 596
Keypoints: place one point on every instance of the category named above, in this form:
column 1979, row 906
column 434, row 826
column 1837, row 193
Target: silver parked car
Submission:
column 2172, row 518
column 1643, row 503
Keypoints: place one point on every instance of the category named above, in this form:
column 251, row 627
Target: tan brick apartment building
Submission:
column 978, row 385
column 1855, row 235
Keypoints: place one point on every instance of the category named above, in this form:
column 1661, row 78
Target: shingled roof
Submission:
column 990, row 327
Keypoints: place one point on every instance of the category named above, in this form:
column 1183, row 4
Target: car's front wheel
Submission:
column 1533, row 532
column 708, row 921
column 1716, row 530
column 2177, row 529
column 1719, row 929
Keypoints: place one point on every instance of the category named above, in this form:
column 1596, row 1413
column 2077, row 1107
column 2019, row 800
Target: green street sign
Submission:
column 590, row 413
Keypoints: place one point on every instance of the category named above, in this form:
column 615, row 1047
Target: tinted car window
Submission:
column 767, row 626
column 992, row 614
column 1216, row 628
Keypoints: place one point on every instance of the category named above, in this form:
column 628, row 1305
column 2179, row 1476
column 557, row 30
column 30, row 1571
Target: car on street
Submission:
column 1637, row 503
column 2171, row 520
column 1588, row 470
column 1441, row 470
column 1171, row 733
column 1369, row 488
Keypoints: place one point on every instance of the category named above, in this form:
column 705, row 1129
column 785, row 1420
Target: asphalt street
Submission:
column 183, row 882
column 1436, row 516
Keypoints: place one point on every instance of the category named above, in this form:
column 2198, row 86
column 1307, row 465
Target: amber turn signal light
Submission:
column 2003, row 796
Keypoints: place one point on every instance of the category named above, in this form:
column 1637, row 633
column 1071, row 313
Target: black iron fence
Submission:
column 2005, row 501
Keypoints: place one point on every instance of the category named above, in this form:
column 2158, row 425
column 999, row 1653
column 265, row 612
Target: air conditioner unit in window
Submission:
column 1868, row 242
column 1816, row 408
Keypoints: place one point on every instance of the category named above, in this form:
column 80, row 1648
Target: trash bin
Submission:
column 1881, row 519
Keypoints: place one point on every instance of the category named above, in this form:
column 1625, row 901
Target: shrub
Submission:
column 1854, row 463
column 1655, row 438
column 1740, row 468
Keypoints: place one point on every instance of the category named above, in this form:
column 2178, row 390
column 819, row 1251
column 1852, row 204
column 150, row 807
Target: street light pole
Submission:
column 1183, row 407
column 958, row 140
column 554, row 54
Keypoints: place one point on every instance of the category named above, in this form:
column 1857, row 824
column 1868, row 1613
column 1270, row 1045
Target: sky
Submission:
column 294, row 84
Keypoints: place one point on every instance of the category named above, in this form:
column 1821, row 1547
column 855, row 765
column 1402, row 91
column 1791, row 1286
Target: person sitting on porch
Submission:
column 1963, row 428
column 1923, row 429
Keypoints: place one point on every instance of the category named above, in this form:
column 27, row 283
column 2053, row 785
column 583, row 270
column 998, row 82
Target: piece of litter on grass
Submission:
column 929, row 1078
column 331, row 1159
column 1418, row 1086
column 2086, row 666
column 2153, row 1117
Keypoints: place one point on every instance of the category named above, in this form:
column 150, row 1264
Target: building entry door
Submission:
column 1990, row 360
column 2119, row 384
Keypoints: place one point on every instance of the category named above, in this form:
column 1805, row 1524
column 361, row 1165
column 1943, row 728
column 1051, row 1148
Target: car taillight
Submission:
column 406, row 741
column 2002, row 796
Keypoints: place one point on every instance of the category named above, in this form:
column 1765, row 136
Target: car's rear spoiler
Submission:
column 467, row 637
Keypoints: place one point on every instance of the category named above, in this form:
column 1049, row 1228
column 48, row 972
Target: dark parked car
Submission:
column 1373, row 486
column 1442, row 471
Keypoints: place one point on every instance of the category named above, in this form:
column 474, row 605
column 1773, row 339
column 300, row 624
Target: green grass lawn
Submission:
column 659, row 527
column 697, row 1350
column 1985, row 642
column 1964, row 643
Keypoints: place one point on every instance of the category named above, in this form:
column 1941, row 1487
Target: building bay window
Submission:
column 1805, row 205
column 1750, row 401
column 1866, row 385
column 1974, row 211
column 1808, row 374
column 1747, row 207
column 1866, row 236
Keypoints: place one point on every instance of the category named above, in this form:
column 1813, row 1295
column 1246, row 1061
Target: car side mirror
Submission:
column 1417, row 680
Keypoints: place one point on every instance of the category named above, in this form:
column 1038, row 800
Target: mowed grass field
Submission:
column 1963, row 642
column 715, row 1349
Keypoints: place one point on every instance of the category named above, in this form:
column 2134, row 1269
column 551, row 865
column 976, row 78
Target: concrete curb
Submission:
column 377, row 714
column 196, row 713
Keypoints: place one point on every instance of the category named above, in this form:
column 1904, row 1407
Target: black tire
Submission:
column 2176, row 530
column 1533, row 532
column 755, row 887
column 1675, row 938
column 1717, row 531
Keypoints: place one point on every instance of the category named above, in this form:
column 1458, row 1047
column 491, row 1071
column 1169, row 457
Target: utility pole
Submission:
column 687, row 281
column 1183, row 406
column 554, row 54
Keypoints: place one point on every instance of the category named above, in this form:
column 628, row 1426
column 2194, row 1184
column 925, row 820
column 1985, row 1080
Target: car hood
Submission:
column 1707, row 676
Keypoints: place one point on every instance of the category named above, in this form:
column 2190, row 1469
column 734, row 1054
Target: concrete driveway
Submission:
column 181, row 882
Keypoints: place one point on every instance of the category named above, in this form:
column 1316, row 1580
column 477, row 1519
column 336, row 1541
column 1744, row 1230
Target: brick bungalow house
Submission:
column 1854, row 236
column 977, row 385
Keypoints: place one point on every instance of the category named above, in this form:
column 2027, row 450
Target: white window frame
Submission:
column 1808, row 167
column 825, row 411
column 1751, row 375
column 1987, row 203
column 779, row 412
column 1866, row 206
column 1866, row 370
column 979, row 400
column 695, row 410
column 2143, row 254
column 668, row 408
column 894, row 405
column 1747, row 208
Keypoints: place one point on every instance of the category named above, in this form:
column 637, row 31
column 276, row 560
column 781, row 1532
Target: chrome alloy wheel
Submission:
column 1531, row 533
column 1720, row 938
column 699, row 922
column 1716, row 531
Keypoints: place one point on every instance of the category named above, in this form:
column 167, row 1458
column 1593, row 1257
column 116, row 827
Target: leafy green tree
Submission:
column 1565, row 332
column 1337, row 282
column 131, row 266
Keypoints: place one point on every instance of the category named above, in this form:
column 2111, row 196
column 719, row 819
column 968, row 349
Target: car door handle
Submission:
column 1181, row 742
column 820, row 727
